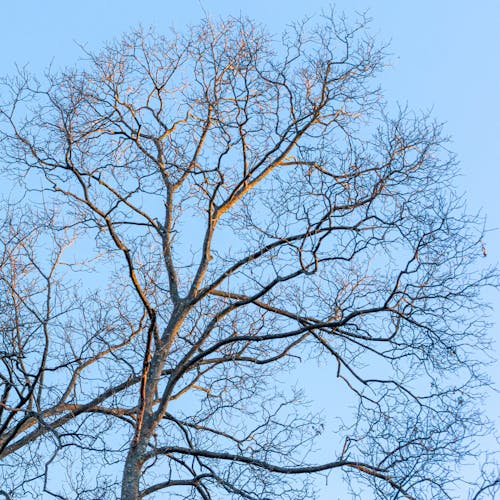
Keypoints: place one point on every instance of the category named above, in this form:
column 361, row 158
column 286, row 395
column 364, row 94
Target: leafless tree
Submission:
column 201, row 214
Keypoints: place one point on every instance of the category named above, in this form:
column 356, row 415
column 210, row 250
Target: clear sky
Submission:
column 444, row 55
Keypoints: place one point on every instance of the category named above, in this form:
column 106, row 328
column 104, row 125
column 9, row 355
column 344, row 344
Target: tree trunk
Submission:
column 132, row 474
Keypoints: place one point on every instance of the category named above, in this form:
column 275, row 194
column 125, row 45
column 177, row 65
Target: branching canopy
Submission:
column 200, row 214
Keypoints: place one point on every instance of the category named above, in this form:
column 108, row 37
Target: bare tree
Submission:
column 202, row 213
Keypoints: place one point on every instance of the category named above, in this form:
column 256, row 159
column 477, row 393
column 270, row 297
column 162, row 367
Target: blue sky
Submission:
column 444, row 55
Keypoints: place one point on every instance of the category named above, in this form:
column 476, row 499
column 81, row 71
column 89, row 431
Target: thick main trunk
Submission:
column 131, row 474
column 132, row 469
column 135, row 458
